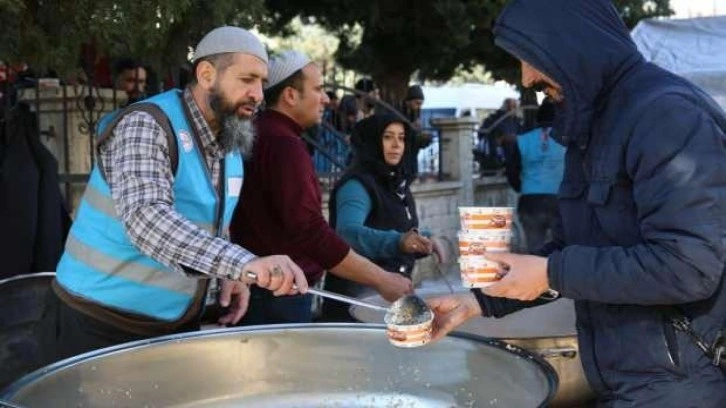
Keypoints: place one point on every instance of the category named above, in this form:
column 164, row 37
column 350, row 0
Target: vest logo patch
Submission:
column 186, row 139
column 234, row 186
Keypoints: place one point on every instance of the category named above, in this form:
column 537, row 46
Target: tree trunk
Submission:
column 392, row 85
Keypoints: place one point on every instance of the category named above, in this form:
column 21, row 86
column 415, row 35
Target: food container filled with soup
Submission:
column 410, row 322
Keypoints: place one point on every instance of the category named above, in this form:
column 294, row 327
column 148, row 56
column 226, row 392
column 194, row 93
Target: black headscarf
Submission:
column 367, row 143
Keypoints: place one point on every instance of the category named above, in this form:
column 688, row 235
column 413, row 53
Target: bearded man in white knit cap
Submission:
column 151, row 231
column 281, row 209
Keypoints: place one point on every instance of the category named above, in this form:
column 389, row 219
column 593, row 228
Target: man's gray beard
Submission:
column 237, row 133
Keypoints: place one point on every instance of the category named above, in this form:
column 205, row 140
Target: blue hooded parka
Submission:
column 642, row 233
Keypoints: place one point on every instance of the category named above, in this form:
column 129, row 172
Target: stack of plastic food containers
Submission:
column 483, row 229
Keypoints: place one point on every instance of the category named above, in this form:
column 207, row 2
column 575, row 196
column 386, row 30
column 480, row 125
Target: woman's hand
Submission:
column 414, row 243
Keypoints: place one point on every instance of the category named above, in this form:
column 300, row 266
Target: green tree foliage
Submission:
column 48, row 34
column 431, row 38
column 400, row 38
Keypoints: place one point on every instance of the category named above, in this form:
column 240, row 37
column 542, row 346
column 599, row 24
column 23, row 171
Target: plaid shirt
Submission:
column 137, row 167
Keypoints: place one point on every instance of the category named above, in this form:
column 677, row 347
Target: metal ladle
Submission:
column 409, row 309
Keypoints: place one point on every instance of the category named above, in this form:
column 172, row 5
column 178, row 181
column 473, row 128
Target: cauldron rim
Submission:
column 546, row 369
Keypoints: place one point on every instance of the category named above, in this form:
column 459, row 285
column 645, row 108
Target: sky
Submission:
column 698, row 8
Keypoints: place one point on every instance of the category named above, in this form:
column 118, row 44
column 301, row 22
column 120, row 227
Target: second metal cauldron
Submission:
column 336, row 365
column 22, row 301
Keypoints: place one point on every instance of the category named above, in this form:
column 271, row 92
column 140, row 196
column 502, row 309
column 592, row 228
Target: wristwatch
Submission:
column 550, row 294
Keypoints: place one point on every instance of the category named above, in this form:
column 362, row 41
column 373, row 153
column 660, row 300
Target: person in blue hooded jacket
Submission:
column 641, row 241
column 534, row 166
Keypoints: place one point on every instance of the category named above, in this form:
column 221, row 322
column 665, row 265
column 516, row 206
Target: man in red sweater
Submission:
column 281, row 206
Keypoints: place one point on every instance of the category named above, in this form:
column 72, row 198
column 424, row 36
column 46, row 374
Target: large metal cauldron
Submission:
column 547, row 330
column 333, row 365
column 22, row 301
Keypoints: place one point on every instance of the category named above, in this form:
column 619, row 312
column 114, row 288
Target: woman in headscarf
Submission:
column 372, row 208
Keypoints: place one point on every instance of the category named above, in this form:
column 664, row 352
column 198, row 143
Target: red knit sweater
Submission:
column 280, row 209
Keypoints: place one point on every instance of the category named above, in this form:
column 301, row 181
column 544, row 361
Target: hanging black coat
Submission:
column 33, row 220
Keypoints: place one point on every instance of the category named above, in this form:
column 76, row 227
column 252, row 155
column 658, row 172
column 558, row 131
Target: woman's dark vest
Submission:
column 388, row 212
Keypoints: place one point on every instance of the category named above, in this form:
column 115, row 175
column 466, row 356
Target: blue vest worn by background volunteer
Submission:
column 101, row 264
column 543, row 162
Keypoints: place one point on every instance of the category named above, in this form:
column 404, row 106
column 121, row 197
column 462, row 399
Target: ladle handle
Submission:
column 333, row 295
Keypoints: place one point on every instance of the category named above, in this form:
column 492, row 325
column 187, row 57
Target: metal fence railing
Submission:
column 66, row 116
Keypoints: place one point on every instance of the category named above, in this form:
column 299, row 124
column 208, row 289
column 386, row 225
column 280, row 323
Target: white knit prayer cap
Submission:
column 230, row 39
column 285, row 64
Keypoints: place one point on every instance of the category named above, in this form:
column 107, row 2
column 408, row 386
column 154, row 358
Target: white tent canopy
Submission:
column 693, row 48
column 468, row 96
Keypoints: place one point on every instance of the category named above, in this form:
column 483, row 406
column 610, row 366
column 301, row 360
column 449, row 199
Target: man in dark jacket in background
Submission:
column 131, row 78
column 496, row 130
column 641, row 243
column 504, row 120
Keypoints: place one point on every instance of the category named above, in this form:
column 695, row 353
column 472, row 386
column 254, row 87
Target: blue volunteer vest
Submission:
column 543, row 162
column 101, row 264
